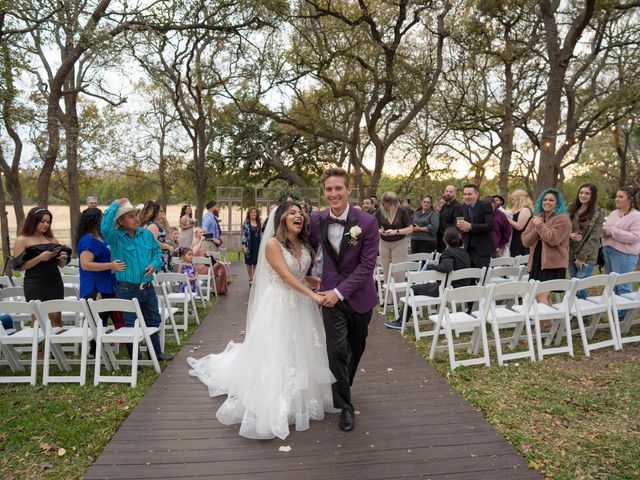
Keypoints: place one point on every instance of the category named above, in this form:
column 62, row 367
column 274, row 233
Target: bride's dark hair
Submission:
column 280, row 226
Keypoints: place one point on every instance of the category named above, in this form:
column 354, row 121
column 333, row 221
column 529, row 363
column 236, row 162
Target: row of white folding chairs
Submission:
column 479, row 276
column 186, row 299
column 522, row 309
column 509, row 261
column 90, row 329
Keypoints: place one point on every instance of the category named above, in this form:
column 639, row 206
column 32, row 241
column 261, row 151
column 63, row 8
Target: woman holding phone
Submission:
column 395, row 224
column 38, row 253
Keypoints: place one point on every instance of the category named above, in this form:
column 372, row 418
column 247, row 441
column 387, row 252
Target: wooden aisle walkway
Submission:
column 412, row 424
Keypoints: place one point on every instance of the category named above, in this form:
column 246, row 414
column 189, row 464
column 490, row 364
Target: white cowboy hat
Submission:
column 125, row 208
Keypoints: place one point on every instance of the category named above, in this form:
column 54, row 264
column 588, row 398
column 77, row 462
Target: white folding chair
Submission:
column 593, row 306
column 186, row 298
column 496, row 275
column 558, row 314
column 501, row 316
column 224, row 259
column 378, row 276
column 502, row 262
column 74, row 262
column 28, row 337
column 69, row 270
column 135, row 335
column 12, row 294
column 418, row 302
column 450, row 320
column 5, row 281
column 71, row 280
column 18, row 281
column 56, row 337
column 627, row 305
column 166, row 314
column 394, row 287
column 469, row 274
column 423, row 258
column 205, row 280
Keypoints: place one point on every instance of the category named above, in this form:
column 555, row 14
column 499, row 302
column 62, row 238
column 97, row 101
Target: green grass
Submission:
column 57, row 431
column 570, row 417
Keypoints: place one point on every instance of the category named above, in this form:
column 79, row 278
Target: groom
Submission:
column 349, row 241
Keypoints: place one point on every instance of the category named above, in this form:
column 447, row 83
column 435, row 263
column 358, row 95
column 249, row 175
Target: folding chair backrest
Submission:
column 404, row 267
column 15, row 308
column 466, row 274
column 71, row 279
column 67, row 306
column 113, row 305
column 172, row 277
column 522, row 260
column 631, row 277
column 69, row 270
column 566, row 288
column 503, row 272
column 605, row 281
column 414, row 278
column 74, row 262
column 420, row 257
column 5, row 281
column 18, row 281
column 201, row 261
column 12, row 293
column 465, row 294
column 502, row 262
column 513, row 290
column 175, row 260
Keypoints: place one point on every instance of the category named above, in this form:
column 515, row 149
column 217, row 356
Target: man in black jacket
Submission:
column 450, row 211
column 476, row 227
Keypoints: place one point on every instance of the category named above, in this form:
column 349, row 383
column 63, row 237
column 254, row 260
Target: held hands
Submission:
column 579, row 264
column 576, row 237
column 536, row 221
column 149, row 270
column 330, row 298
column 118, row 265
column 319, row 298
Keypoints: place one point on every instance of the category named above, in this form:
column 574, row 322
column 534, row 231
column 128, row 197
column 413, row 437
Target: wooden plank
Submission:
column 412, row 424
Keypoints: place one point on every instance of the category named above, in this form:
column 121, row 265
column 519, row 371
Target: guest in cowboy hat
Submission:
column 139, row 250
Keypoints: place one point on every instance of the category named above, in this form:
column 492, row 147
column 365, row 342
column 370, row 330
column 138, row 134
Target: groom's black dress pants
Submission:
column 346, row 332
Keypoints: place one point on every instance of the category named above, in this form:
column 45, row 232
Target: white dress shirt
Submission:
column 335, row 232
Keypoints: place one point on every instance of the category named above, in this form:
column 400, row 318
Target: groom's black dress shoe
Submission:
column 347, row 420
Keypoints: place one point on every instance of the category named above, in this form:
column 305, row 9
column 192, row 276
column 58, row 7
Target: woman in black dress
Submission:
column 38, row 253
column 522, row 209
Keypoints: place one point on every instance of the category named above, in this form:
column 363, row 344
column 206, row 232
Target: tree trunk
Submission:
column 162, row 165
column 4, row 223
column 506, row 135
column 72, row 132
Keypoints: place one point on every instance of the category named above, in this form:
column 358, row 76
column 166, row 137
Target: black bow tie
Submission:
column 336, row 220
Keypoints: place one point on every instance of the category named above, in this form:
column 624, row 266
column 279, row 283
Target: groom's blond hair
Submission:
column 335, row 172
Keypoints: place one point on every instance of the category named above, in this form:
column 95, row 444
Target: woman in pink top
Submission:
column 621, row 233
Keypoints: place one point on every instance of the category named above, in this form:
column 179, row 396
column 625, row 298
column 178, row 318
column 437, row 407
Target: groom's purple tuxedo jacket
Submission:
column 351, row 269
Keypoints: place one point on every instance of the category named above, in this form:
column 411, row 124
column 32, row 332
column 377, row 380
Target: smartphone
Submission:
column 56, row 249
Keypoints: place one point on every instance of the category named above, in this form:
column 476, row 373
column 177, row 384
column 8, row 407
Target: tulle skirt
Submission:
column 279, row 376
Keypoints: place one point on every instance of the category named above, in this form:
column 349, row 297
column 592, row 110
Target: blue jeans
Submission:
column 619, row 262
column 148, row 305
column 584, row 272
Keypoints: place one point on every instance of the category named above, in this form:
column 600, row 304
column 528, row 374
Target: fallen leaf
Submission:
column 526, row 448
column 44, row 466
column 284, row 448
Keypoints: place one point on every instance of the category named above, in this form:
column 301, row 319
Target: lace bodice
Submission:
column 299, row 269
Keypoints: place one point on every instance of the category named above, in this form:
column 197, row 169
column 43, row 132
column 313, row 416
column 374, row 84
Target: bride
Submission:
column 280, row 375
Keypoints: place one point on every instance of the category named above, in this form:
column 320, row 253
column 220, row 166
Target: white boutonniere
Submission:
column 354, row 232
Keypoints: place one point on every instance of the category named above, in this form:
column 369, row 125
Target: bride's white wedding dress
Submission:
column 280, row 375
